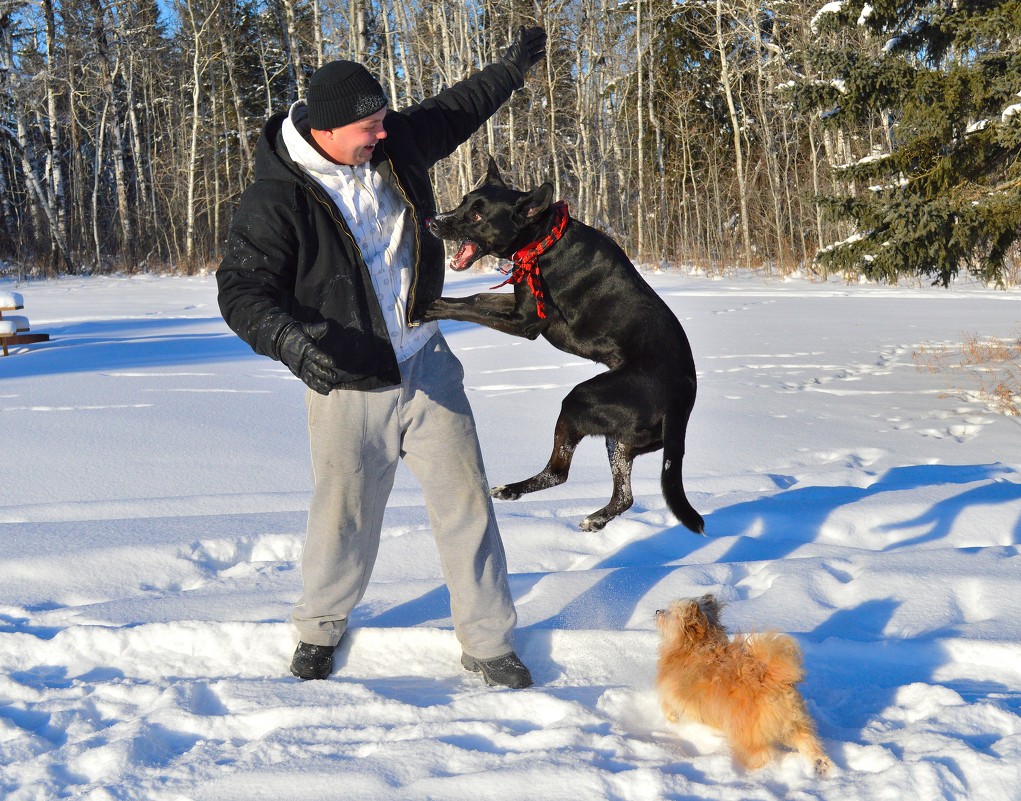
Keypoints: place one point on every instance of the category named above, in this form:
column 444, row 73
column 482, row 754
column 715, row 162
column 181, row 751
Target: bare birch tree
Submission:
column 129, row 127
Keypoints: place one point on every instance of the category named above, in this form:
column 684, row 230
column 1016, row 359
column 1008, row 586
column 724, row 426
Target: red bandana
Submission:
column 526, row 260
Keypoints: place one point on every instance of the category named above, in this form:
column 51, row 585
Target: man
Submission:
column 328, row 268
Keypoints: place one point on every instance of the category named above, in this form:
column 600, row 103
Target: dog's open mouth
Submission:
column 467, row 252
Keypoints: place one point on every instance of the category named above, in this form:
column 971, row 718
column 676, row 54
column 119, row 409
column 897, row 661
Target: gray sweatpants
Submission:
column 356, row 439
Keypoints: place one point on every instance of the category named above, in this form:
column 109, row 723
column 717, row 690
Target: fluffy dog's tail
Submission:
column 780, row 654
column 675, row 424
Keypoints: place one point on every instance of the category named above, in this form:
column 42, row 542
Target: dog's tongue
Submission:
column 464, row 255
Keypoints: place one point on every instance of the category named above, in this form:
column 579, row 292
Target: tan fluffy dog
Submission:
column 744, row 687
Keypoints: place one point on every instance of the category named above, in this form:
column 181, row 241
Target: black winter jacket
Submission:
column 290, row 255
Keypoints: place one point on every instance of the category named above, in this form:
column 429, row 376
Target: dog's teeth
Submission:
column 465, row 251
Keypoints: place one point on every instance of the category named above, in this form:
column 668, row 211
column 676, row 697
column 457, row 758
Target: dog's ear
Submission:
column 536, row 203
column 695, row 620
column 711, row 608
column 493, row 174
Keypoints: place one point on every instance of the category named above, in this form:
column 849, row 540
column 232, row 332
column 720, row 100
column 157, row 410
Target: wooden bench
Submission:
column 14, row 329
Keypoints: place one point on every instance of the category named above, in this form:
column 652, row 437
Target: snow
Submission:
column 833, row 7
column 852, row 239
column 11, row 300
column 153, row 505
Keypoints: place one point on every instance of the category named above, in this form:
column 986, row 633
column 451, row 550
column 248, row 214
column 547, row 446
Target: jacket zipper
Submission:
column 418, row 248
column 414, row 219
column 337, row 217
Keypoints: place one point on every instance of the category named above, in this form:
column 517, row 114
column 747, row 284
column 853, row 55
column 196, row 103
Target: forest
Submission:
column 871, row 139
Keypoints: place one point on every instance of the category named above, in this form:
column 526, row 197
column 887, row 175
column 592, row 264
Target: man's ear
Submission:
column 493, row 174
column 536, row 203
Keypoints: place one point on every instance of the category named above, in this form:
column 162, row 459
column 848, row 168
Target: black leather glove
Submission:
column 297, row 347
column 528, row 47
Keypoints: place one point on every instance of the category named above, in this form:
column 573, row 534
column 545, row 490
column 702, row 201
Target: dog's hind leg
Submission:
column 752, row 757
column 810, row 746
column 803, row 738
column 621, row 458
column 592, row 408
column 565, row 441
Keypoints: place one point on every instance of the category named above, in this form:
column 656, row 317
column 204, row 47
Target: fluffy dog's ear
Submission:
column 493, row 175
column 711, row 608
column 695, row 620
column 536, row 203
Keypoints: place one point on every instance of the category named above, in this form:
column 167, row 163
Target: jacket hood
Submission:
column 296, row 135
column 272, row 162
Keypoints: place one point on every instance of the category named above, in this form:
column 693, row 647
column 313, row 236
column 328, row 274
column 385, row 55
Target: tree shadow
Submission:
column 781, row 522
column 856, row 676
column 863, row 623
column 790, row 518
column 122, row 344
column 942, row 516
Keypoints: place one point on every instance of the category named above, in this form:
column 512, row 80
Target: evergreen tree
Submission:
column 927, row 113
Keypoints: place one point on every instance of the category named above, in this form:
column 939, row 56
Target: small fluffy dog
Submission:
column 744, row 687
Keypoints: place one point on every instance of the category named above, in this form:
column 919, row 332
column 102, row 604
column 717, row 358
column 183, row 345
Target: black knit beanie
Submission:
column 340, row 93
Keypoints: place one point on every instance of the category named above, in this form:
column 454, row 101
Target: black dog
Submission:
column 574, row 286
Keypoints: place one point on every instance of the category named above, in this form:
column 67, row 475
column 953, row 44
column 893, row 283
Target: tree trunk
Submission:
column 197, row 68
column 40, row 209
column 735, row 122
column 56, row 160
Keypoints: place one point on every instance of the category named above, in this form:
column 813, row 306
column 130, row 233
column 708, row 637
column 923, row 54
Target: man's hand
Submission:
column 528, row 47
column 298, row 350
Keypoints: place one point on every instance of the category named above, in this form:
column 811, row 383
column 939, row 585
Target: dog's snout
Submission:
column 434, row 226
column 437, row 223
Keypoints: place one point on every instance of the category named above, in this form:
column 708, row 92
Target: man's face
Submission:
column 353, row 143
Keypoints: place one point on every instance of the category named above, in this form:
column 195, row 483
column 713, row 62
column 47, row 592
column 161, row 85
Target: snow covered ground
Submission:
column 153, row 487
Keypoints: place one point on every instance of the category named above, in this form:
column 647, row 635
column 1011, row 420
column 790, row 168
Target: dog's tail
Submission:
column 780, row 655
column 675, row 424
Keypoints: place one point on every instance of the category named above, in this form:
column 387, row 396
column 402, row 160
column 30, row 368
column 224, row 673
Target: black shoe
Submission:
column 504, row 671
column 312, row 661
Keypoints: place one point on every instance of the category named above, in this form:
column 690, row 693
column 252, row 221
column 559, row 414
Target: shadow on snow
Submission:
column 122, row 344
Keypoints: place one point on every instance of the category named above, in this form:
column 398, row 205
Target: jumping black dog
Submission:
column 576, row 287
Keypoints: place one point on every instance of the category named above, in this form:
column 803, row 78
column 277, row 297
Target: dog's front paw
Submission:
column 822, row 766
column 437, row 309
column 504, row 493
